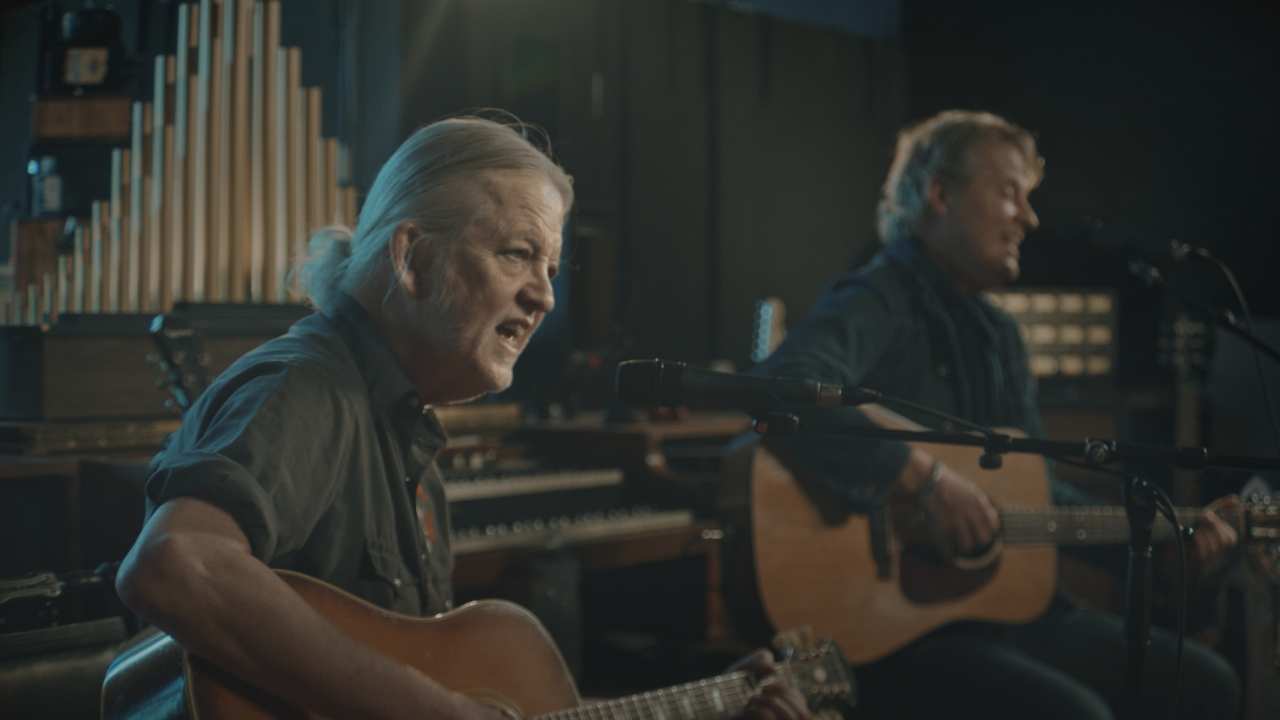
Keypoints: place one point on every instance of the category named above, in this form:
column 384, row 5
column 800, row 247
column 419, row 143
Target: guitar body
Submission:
column 490, row 650
column 493, row 651
column 811, row 572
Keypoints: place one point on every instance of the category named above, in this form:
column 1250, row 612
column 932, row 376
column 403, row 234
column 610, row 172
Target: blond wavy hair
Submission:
column 938, row 148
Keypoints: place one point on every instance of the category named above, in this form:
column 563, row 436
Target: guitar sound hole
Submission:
column 925, row 579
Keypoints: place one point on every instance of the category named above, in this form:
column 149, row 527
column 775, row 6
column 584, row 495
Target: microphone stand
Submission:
column 1152, row 277
column 1140, row 496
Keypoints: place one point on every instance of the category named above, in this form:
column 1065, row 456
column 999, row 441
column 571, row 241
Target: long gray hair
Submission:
column 416, row 183
column 938, row 148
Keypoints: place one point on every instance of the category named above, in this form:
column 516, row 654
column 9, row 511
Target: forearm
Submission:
column 224, row 605
column 914, row 474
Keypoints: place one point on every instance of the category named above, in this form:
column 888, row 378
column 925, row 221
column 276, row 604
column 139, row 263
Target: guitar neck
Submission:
column 1089, row 525
column 716, row 697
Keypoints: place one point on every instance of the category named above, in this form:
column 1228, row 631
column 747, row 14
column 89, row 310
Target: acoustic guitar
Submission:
column 491, row 650
column 870, row 592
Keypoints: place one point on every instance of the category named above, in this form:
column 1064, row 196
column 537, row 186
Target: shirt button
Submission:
column 423, row 556
column 396, row 582
column 408, row 479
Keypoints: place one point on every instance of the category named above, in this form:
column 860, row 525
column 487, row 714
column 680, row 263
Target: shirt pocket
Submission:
column 384, row 579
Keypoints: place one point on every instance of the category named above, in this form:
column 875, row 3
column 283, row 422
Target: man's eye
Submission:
column 520, row 254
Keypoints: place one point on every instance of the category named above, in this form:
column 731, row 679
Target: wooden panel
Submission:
column 67, row 374
column 34, row 250
column 104, row 118
column 99, row 376
column 96, row 376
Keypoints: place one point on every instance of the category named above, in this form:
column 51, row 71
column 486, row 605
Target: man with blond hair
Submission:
column 913, row 323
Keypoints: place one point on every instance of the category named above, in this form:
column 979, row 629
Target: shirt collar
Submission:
column 389, row 388
column 910, row 252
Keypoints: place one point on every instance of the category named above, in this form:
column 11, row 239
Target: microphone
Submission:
column 1128, row 241
column 1144, row 260
column 647, row 383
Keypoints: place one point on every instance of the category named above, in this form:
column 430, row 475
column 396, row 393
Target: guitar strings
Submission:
column 734, row 689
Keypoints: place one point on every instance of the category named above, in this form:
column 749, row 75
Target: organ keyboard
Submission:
column 565, row 530
column 523, row 505
column 476, row 486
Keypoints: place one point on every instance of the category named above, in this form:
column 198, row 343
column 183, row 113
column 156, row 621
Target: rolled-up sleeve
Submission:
column 265, row 449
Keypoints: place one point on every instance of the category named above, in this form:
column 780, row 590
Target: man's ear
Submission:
column 937, row 196
column 402, row 250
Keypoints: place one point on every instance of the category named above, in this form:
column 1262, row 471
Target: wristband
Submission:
column 926, row 488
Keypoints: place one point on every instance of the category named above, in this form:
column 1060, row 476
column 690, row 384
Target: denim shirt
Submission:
column 318, row 446
column 898, row 326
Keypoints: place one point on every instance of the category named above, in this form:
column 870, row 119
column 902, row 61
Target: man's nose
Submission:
column 538, row 293
column 1027, row 215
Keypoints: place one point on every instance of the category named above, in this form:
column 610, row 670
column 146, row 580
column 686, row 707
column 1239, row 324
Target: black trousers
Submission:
column 1070, row 663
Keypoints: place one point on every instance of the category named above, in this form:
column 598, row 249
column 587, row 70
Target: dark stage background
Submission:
column 728, row 151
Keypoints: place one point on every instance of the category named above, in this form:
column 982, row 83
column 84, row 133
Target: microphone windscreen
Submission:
column 642, row 382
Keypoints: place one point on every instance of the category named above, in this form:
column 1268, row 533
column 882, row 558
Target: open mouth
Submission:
column 513, row 332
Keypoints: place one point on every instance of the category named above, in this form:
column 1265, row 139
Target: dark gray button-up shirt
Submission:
column 897, row 325
column 318, row 446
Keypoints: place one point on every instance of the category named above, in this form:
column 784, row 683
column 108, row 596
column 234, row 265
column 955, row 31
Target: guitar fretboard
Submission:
column 712, row 698
column 1081, row 525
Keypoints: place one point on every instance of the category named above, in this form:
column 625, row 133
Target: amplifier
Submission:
column 1070, row 333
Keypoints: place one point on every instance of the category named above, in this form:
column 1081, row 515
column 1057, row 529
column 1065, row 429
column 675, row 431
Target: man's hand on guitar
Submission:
column 478, row 710
column 1214, row 537
column 960, row 519
column 964, row 520
column 775, row 698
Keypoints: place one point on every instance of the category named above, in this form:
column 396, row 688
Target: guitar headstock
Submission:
column 181, row 360
column 817, row 669
column 1261, row 525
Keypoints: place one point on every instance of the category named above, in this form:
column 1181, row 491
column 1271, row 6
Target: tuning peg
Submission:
column 795, row 640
